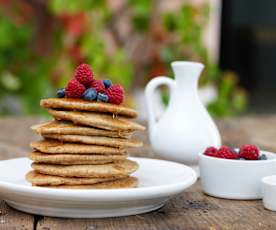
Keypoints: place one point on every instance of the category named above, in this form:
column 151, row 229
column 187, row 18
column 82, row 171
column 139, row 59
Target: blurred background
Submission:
column 133, row 41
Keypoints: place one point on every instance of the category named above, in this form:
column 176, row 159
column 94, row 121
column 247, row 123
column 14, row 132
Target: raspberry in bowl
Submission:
column 235, row 173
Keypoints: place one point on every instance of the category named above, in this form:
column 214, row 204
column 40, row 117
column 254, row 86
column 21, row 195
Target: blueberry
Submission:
column 61, row 92
column 102, row 97
column 107, row 83
column 263, row 157
column 90, row 94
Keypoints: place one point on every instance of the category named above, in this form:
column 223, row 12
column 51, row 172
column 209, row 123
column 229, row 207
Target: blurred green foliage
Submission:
column 231, row 99
column 72, row 6
column 26, row 84
column 41, row 42
column 141, row 14
column 188, row 23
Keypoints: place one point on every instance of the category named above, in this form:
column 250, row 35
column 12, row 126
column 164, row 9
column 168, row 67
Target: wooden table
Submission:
column 191, row 210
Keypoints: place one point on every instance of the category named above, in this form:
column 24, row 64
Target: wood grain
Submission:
column 191, row 210
column 11, row 219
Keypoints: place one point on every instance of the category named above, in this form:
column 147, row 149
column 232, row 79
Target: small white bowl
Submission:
column 269, row 192
column 235, row 179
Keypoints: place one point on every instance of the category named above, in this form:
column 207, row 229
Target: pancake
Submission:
column 93, row 140
column 74, row 159
column 121, row 168
column 96, row 120
column 91, row 106
column 68, row 128
column 36, row 178
column 128, row 182
column 58, row 147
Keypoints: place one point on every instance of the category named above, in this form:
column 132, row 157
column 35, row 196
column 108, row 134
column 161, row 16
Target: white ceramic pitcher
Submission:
column 185, row 129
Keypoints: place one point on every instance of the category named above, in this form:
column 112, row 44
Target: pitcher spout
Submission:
column 187, row 72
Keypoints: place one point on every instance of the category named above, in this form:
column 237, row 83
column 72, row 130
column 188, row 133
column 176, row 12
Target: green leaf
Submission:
column 9, row 81
column 73, row 6
column 170, row 21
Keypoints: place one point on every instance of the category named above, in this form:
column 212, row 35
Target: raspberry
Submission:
column 227, row 153
column 211, row 151
column 98, row 85
column 84, row 74
column 115, row 94
column 74, row 89
column 249, row 152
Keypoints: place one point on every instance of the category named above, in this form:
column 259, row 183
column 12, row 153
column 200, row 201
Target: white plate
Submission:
column 158, row 182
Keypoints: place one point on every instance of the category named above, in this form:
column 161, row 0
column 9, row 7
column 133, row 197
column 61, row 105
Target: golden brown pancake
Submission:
column 58, row 147
column 96, row 120
column 68, row 128
column 128, row 182
column 93, row 140
column 91, row 106
column 120, row 168
column 36, row 178
column 74, row 159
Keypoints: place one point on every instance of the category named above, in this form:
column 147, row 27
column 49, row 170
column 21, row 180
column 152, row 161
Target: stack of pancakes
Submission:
column 85, row 146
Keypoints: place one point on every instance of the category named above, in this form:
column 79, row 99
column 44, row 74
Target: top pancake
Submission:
column 82, row 105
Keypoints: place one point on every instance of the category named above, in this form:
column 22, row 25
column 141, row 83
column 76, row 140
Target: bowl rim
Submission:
column 271, row 154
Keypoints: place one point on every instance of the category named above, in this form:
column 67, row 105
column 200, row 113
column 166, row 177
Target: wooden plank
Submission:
column 14, row 137
column 190, row 210
column 258, row 130
column 11, row 219
column 16, row 132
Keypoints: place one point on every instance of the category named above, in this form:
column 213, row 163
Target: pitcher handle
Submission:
column 149, row 92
